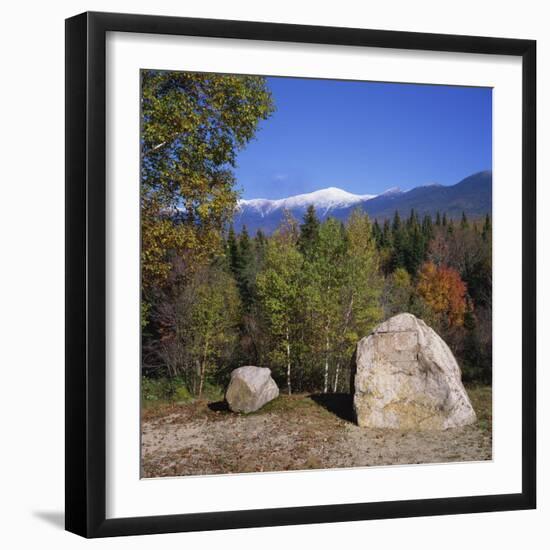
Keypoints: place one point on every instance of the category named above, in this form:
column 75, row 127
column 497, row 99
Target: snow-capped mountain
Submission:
column 266, row 214
column 472, row 195
column 324, row 200
column 391, row 191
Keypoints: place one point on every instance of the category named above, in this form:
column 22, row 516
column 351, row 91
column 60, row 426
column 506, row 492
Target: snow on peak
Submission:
column 392, row 191
column 330, row 197
column 322, row 199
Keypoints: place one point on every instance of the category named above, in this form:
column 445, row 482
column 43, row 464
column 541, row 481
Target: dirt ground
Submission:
column 296, row 433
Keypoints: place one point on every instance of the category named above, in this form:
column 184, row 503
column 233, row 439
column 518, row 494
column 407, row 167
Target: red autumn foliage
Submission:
column 444, row 292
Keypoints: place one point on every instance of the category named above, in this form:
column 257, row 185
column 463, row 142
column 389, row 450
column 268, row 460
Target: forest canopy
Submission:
column 297, row 301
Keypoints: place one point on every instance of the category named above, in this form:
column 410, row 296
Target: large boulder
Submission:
column 406, row 377
column 250, row 389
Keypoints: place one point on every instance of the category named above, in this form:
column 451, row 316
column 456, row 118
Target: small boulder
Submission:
column 250, row 389
column 406, row 377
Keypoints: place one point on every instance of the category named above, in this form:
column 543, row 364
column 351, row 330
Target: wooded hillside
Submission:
column 296, row 301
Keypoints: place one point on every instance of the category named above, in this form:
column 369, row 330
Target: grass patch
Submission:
column 163, row 397
column 162, row 392
column 304, row 404
column 481, row 397
column 286, row 403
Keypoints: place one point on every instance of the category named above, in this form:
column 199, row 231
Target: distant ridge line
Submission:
column 472, row 195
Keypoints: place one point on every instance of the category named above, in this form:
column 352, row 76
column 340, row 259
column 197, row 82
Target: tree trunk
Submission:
column 289, row 386
column 344, row 330
column 327, row 347
column 203, row 367
column 196, row 375
column 335, row 386
column 201, row 382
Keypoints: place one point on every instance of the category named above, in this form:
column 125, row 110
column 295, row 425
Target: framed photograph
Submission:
column 300, row 281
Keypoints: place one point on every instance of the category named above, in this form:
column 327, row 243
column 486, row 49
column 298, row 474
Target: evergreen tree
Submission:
column 396, row 224
column 464, row 221
column 427, row 228
column 245, row 248
column 438, row 219
column 486, row 228
column 377, row 233
column 398, row 244
column 415, row 250
column 386, row 233
column 245, row 268
column 233, row 251
column 260, row 238
column 309, row 231
column 260, row 243
column 413, row 219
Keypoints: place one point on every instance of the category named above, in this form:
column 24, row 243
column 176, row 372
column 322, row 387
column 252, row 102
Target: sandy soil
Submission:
column 296, row 433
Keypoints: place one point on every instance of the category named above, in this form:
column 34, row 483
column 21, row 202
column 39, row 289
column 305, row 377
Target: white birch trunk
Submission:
column 327, row 347
column 288, row 383
column 335, row 386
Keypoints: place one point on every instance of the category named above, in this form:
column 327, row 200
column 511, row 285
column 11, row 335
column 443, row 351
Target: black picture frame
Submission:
column 86, row 284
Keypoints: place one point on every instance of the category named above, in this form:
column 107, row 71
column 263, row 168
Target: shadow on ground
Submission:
column 340, row 404
column 218, row 406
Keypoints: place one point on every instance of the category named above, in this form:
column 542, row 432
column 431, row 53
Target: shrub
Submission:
column 175, row 390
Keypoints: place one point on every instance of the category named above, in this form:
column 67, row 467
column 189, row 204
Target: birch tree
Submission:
column 192, row 127
column 324, row 273
column 278, row 288
column 202, row 324
column 360, row 289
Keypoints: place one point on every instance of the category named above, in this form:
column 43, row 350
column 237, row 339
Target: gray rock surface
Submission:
column 407, row 378
column 250, row 389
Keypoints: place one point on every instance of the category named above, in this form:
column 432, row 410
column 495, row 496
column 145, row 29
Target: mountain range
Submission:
column 472, row 195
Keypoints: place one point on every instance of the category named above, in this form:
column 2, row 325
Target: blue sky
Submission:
column 365, row 137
